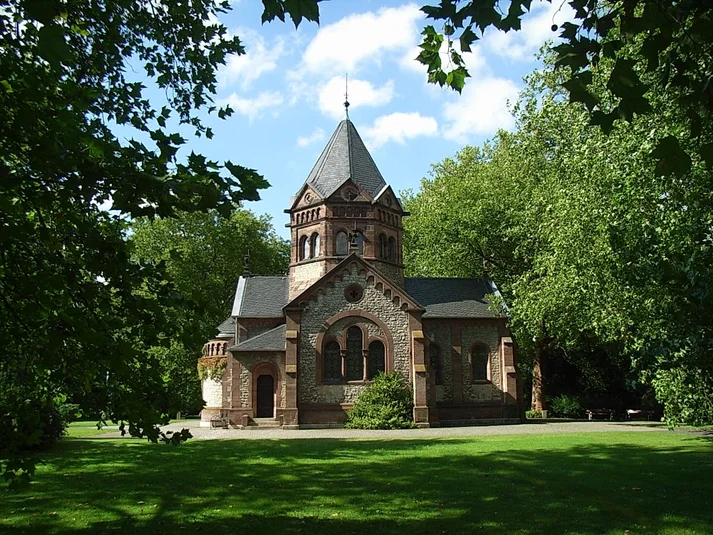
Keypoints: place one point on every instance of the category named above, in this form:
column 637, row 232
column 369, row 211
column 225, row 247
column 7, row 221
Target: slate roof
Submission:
column 345, row 157
column 272, row 340
column 227, row 328
column 452, row 298
column 260, row 297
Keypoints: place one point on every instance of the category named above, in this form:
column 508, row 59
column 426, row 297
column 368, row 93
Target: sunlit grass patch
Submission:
column 577, row 483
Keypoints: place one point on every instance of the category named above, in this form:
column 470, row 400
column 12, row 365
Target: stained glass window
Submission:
column 375, row 361
column 479, row 362
column 342, row 244
column 355, row 359
column 332, row 362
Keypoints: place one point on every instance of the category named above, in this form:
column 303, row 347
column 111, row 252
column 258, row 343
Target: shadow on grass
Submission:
column 380, row 487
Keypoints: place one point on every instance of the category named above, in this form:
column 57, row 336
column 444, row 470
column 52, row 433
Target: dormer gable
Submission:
column 350, row 191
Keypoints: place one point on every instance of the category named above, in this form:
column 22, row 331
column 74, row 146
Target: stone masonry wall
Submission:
column 247, row 362
column 442, row 337
column 302, row 276
column 391, row 271
column 487, row 334
column 325, row 306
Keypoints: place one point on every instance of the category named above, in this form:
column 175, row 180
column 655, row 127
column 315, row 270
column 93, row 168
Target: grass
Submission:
column 645, row 482
column 89, row 429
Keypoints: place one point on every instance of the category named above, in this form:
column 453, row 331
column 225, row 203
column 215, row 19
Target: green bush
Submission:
column 533, row 414
column 69, row 412
column 566, row 406
column 387, row 403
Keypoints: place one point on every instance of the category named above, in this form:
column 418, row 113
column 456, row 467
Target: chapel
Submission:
column 297, row 350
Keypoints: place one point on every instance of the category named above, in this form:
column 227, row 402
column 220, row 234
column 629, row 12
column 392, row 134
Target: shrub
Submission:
column 69, row 412
column 533, row 414
column 387, row 403
column 566, row 406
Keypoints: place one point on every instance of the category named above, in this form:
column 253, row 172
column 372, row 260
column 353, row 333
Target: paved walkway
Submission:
column 548, row 427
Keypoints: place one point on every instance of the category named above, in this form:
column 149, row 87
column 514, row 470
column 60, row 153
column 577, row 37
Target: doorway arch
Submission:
column 265, row 399
column 266, row 391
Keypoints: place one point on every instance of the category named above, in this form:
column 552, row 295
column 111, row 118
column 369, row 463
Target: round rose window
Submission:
column 354, row 293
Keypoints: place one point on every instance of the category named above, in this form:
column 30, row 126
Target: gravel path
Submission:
column 545, row 427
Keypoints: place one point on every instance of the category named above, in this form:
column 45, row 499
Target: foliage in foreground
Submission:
column 71, row 317
column 672, row 45
column 387, row 403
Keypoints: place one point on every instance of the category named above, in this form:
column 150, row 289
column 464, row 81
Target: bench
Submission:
column 634, row 414
column 219, row 420
column 606, row 414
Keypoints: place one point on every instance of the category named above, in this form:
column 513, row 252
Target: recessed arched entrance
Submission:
column 265, row 397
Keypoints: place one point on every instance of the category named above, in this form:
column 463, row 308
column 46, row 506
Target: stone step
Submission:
column 264, row 423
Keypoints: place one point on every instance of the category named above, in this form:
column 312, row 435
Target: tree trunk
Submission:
column 538, row 394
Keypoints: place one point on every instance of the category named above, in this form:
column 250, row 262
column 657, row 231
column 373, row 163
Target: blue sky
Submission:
column 288, row 90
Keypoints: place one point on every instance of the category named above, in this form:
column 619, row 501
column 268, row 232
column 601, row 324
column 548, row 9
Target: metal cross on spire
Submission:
column 346, row 94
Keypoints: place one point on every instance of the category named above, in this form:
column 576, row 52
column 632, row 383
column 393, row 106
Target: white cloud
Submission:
column 253, row 107
column 398, row 127
column 314, row 137
column 257, row 60
column 482, row 109
column 536, row 29
column 408, row 60
column 361, row 93
column 363, row 38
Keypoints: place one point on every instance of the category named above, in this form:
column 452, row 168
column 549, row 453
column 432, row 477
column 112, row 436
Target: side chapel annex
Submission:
column 298, row 350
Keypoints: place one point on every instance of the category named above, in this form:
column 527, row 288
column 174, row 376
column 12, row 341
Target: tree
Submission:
column 655, row 45
column 202, row 253
column 588, row 243
column 70, row 315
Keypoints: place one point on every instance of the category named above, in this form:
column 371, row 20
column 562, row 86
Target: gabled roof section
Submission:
column 272, row 340
column 389, row 287
column 227, row 328
column 387, row 189
column 260, row 297
column 453, row 298
column 345, row 157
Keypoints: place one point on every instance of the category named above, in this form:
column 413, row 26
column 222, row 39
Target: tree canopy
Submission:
column 653, row 45
column 76, row 309
column 202, row 253
column 587, row 243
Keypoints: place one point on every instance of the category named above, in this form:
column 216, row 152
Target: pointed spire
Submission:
column 346, row 94
column 345, row 157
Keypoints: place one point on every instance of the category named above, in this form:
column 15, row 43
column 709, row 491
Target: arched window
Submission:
column 342, row 244
column 304, row 248
column 346, row 359
column 376, row 362
column 332, row 363
column 435, row 360
column 354, row 358
column 359, row 238
column 314, row 246
column 392, row 249
column 383, row 244
column 479, row 363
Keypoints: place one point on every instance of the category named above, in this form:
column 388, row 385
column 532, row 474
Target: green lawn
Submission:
column 89, row 429
column 644, row 482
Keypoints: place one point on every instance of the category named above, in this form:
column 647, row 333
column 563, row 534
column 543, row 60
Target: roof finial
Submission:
column 346, row 94
column 246, row 264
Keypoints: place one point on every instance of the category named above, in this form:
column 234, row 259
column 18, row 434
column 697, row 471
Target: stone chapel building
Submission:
column 297, row 350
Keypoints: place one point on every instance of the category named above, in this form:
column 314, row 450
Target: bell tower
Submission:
column 344, row 207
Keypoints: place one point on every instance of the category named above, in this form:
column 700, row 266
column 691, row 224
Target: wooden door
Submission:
column 265, row 397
